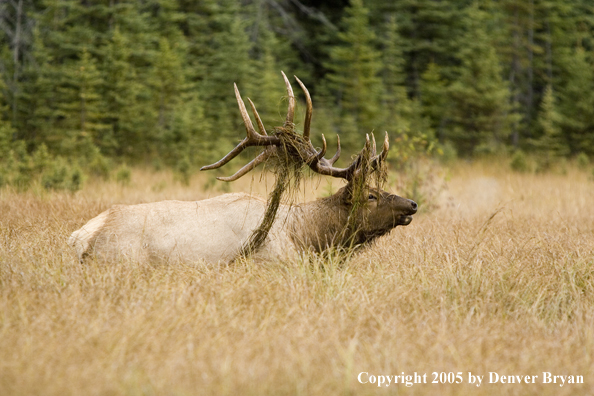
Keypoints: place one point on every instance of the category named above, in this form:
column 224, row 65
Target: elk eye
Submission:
column 371, row 196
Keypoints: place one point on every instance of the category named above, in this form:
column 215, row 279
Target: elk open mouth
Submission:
column 405, row 220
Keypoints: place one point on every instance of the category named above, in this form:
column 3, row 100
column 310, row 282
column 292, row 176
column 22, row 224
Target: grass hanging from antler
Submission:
column 287, row 166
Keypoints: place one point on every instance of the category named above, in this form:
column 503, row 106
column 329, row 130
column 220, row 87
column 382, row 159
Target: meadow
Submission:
column 497, row 277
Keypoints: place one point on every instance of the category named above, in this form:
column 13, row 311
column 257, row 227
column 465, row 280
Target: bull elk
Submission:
column 217, row 229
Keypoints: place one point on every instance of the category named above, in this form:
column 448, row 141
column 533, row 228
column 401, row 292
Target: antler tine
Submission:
column 232, row 154
column 244, row 114
column 291, row 111
column 325, row 167
column 309, row 109
column 337, row 155
column 253, row 138
column 263, row 156
column 382, row 156
column 258, row 119
column 385, row 148
column 373, row 146
column 322, row 152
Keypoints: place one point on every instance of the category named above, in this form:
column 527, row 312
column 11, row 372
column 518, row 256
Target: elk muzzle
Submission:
column 407, row 208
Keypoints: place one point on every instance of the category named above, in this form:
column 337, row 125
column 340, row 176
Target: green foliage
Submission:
column 99, row 165
column 519, row 162
column 97, row 83
column 576, row 101
column 271, row 90
column 6, row 133
column 226, row 59
column 393, row 63
column 480, row 98
column 167, row 82
column 435, row 104
column 59, row 175
column 407, row 147
column 18, row 167
column 551, row 145
column 182, row 168
column 582, row 160
column 432, row 33
column 449, row 153
column 123, row 175
column 125, row 110
column 22, row 170
column 355, row 64
column 401, row 115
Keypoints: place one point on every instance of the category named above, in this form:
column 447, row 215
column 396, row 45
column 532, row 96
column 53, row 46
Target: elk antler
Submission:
column 307, row 153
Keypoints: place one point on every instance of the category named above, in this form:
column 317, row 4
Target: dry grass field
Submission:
column 499, row 279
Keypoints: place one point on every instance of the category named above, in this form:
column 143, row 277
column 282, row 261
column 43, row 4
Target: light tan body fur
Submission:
column 211, row 230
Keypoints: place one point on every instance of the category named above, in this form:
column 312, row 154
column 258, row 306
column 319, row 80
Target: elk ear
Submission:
column 345, row 194
column 351, row 192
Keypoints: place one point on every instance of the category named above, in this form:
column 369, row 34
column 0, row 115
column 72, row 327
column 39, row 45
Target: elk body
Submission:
column 219, row 229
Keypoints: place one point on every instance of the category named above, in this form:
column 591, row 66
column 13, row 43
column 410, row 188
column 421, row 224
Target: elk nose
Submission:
column 414, row 206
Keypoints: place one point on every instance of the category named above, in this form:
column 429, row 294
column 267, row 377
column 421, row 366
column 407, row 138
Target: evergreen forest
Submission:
column 89, row 85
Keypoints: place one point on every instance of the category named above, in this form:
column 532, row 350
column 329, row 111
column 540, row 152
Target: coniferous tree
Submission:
column 16, row 36
column 517, row 47
column 403, row 116
column 37, row 98
column 435, row 104
column 121, row 90
column 395, row 103
column 271, row 90
column 355, row 65
column 80, row 109
column 6, row 130
column 227, row 61
column 479, row 97
column 551, row 144
column 431, row 32
column 576, row 100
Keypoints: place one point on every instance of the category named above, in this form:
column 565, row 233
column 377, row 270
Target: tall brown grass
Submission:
column 499, row 279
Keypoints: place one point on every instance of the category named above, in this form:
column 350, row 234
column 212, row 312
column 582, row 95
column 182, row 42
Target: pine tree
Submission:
column 394, row 96
column 16, row 36
column 184, row 145
column 125, row 113
column 355, row 65
column 36, row 109
column 551, row 143
column 271, row 90
column 228, row 60
column 479, row 97
column 435, row 104
column 272, row 52
column 81, row 109
column 168, row 91
column 576, row 100
column 431, row 32
column 6, row 130
column 403, row 116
